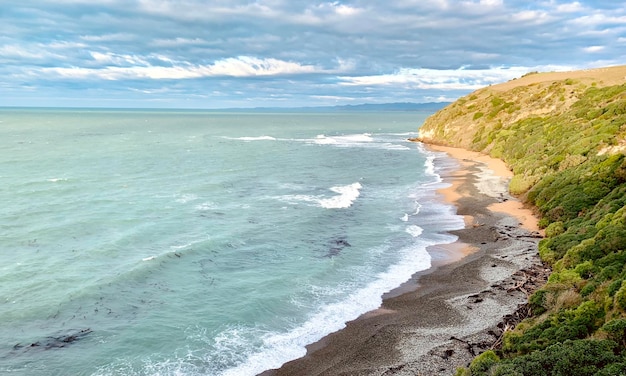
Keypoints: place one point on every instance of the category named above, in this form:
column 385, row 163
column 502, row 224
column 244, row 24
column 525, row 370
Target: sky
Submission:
column 290, row 53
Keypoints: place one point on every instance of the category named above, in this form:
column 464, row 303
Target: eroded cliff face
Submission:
column 468, row 121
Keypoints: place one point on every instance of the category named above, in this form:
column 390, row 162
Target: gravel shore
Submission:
column 443, row 317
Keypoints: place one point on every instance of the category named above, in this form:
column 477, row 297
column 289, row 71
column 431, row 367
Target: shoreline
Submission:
column 444, row 316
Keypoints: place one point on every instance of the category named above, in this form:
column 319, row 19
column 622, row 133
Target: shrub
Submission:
column 571, row 358
column 614, row 287
column 537, row 302
column 620, row 296
column 505, row 370
column 483, row 362
column 586, row 269
column 565, row 277
column 613, row 369
column 521, row 184
column 497, row 101
column 555, row 229
column 588, row 289
column 616, row 331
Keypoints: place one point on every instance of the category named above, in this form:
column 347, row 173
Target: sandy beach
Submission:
column 443, row 317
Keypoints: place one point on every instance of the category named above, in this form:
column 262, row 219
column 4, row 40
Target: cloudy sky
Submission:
column 287, row 53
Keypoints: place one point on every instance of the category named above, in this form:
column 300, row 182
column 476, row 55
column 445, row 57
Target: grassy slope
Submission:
column 564, row 137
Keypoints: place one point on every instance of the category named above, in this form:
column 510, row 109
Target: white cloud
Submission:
column 570, row 7
column 32, row 52
column 331, row 97
column 115, row 59
column 245, row 66
column 63, row 45
column 242, row 66
column 331, row 14
column 440, row 98
column 599, row 19
column 344, row 65
column 483, row 3
column 21, row 52
column 108, row 37
column 178, row 42
column 201, row 10
column 592, row 49
column 428, row 79
column 344, row 10
column 536, row 16
column 491, row 3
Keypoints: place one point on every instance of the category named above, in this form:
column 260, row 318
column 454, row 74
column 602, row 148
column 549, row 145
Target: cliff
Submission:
column 564, row 137
column 464, row 122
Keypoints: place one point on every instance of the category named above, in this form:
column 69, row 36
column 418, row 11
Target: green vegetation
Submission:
column 567, row 358
column 570, row 165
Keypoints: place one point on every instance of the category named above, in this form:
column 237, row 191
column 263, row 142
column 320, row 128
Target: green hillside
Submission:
column 564, row 137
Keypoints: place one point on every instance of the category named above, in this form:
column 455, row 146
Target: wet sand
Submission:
column 444, row 316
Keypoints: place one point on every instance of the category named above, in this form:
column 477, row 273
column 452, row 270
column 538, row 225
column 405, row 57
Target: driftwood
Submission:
column 532, row 279
column 526, row 281
column 470, row 346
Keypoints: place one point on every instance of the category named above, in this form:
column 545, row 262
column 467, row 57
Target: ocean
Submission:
column 145, row 242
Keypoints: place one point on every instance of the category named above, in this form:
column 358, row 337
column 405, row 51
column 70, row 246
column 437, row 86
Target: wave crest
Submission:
column 347, row 195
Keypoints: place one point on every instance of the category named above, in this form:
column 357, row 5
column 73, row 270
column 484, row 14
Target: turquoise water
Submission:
column 199, row 243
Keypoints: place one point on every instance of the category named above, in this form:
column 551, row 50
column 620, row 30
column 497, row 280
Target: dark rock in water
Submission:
column 54, row 342
column 342, row 242
column 336, row 246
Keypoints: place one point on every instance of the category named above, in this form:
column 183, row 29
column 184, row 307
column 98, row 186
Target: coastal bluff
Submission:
column 465, row 122
column 563, row 135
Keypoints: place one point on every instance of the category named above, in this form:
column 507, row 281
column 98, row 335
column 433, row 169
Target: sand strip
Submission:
column 460, row 306
column 498, row 170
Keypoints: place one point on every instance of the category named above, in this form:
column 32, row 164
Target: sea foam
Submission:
column 259, row 138
column 414, row 230
column 347, row 195
column 279, row 348
column 347, row 140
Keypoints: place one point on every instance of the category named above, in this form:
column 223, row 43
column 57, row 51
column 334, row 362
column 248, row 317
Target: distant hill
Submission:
column 405, row 106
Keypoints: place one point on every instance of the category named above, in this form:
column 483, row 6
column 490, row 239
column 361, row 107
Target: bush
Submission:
column 483, row 362
column 554, row 229
column 616, row 331
column 585, row 270
column 537, row 302
column 613, row 369
column 614, row 287
column 620, row 296
column 588, row 289
column 505, row 370
column 566, row 277
column 571, row 358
